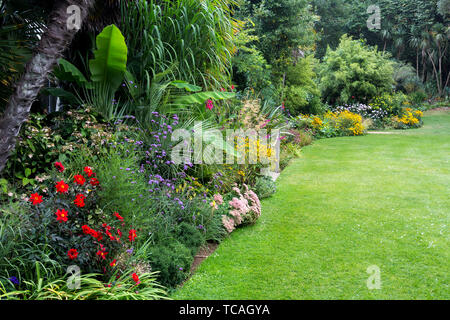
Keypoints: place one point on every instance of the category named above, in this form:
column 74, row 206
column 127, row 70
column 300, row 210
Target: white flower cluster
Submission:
column 366, row 111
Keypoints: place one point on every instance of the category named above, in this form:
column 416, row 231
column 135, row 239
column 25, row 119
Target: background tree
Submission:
column 53, row 43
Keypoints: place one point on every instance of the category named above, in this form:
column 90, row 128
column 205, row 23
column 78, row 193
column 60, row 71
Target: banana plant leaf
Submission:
column 110, row 62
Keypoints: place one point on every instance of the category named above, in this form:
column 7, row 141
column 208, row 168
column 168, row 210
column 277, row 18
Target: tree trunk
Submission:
column 53, row 43
column 417, row 63
column 436, row 74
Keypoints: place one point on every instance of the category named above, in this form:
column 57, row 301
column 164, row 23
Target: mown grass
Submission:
column 346, row 204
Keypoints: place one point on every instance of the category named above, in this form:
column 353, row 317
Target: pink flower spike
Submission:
column 209, row 104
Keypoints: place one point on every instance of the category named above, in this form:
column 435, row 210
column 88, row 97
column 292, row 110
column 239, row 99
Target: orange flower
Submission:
column 62, row 187
column 61, row 215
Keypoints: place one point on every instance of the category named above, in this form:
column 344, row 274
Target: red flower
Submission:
column 35, row 198
column 136, row 278
column 72, row 253
column 113, row 263
column 232, row 87
column 86, row 229
column 111, row 237
column 79, row 200
column 209, row 104
column 62, row 187
column 88, row 171
column 94, row 182
column 102, row 254
column 118, row 216
column 79, row 179
column 119, row 233
column 97, row 235
column 132, row 235
column 59, row 166
column 61, row 215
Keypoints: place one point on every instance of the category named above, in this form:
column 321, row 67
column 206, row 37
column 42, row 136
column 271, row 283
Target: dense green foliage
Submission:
column 353, row 71
column 94, row 179
column 302, row 94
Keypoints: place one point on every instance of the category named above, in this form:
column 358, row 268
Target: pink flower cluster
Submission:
column 245, row 209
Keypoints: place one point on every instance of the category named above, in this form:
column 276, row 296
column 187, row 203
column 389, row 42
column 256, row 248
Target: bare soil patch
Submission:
column 203, row 253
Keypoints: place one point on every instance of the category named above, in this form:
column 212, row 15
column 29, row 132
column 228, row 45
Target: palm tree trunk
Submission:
column 417, row 63
column 53, row 43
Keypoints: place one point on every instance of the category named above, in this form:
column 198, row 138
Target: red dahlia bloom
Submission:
column 94, row 182
column 62, row 187
column 79, row 200
column 59, row 166
column 79, row 179
column 136, row 278
column 72, row 253
column 118, row 216
column 88, row 171
column 113, row 263
column 35, row 198
column 132, row 235
column 98, row 236
column 86, row 229
column 61, row 215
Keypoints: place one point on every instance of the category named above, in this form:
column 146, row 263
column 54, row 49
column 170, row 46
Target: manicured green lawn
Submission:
column 347, row 204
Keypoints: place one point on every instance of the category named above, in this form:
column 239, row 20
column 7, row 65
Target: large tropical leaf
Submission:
column 61, row 93
column 186, row 86
column 110, row 62
column 202, row 97
column 68, row 72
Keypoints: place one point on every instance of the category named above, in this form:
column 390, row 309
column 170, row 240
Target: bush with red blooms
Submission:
column 67, row 218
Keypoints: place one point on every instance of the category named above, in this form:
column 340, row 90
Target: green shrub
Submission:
column 191, row 236
column 252, row 69
column 264, row 187
column 418, row 97
column 173, row 260
column 354, row 72
column 20, row 252
column 302, row 94
column 300, row 137
column 406, row 78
